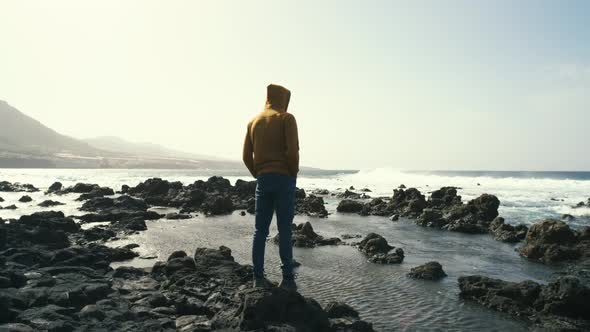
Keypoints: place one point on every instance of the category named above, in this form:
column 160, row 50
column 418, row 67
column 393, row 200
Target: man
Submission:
column 271, row 153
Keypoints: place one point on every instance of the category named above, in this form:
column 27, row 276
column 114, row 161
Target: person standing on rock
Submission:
column 271, row 153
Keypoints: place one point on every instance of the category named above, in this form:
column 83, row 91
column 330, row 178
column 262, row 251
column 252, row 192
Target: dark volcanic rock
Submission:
column 217, row 205
column 96, row 192
column 212, row 196
column 49, row 203
column 428, row 271
column 105, row 204
column 507, row 233
column 443, row 198
column 321, row 192
column 72, row 288
column 55, row 187
column 11, row 207
column 340, row 310
column 25, row 199
column 431, row 218
column 349, row 194
column 304, row 236
column 561, row 305
column 379, row 251
column 349, row 205
column 473, row 217
column 300, row 193
column 551, row 241
column 406, row 203
column 17, row 187
column 312, row 206
column 273, row 308
column 514, row 298
column 177, row 216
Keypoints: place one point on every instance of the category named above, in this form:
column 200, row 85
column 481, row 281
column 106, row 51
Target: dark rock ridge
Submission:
column 86, row 190
column 126, row 215
column 428, row 271
column 304, row 236
column 49, row 203
column 443, row 209
column 115, row 209
column 379, row 251
column 214, row 196
column 50, row 285
column 563, row 304
column 17, row 187
column 551, row 241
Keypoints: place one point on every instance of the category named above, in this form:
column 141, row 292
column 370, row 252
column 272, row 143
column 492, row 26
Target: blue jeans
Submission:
column 274, row 193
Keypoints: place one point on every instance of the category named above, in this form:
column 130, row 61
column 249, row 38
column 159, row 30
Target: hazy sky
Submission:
column 414, row 84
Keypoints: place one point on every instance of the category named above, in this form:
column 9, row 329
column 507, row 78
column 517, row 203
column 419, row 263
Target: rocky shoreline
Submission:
column 56, row 275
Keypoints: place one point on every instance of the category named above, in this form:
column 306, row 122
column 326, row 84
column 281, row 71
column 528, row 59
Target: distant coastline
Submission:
column 556, row 175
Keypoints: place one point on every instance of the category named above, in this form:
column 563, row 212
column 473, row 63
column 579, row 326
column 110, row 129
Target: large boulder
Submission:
column 17, row 187
column 510, row 297
column 55, row 187
column 379, row 251
column 218, row 205
column 473, row 217
column 25, row 199
column 562, row 305
column 349, row 205
column 550, row 241
column 270, row 309
column 304, row 236
column 443, row 198
column 312, row 206
column 52, row 220
column 431, row 218
column 428, row 271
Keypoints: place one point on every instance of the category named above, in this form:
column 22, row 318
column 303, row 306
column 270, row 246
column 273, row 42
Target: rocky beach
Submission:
column 87, row 256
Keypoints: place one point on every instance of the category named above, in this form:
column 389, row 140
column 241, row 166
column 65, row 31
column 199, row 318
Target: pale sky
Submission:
column 493, row 85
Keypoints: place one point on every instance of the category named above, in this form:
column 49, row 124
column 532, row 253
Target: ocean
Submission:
column 383, row 295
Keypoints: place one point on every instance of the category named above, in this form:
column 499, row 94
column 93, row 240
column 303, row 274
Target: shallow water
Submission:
column 382, row 293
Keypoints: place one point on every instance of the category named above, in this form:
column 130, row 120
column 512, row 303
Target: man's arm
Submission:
column 292, row 140
column 247, row 152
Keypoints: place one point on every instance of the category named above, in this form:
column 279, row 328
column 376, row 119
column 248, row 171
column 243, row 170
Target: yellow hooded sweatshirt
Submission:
column 272, row 143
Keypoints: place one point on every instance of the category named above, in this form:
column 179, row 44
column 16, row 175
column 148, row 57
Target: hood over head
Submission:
column 277, row 97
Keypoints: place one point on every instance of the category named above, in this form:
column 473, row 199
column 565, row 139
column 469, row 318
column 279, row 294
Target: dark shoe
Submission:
column 262, row 282
column 288, row 284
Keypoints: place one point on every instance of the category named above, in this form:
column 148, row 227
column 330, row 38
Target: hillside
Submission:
column 27, row 143
column 22, row 134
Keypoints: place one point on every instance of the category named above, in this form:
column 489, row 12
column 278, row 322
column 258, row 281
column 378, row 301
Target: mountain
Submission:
column 22, row 134
column 117, row 144
column 27, row 143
